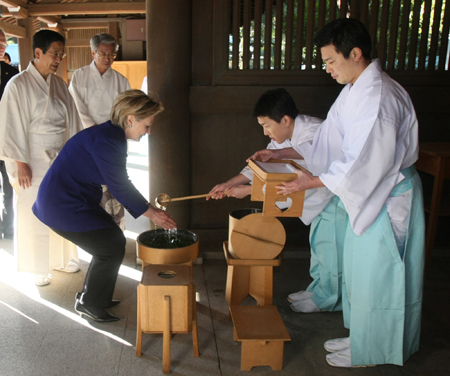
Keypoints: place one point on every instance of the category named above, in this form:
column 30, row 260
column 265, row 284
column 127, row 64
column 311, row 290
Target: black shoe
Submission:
column 112, row 304
column 94, row 313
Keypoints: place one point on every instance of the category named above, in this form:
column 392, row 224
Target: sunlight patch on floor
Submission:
column 24, row 284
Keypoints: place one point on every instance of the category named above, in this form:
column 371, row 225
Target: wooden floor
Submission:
column 41, row 334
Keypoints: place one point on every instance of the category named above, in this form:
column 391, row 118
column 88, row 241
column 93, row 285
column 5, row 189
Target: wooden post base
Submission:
column 262, row 333
column 166, row 306
column 249, row 277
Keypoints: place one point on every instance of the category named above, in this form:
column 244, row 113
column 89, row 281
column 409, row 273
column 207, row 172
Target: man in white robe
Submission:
column 37, row 116
column 364, row 152
column 94, row 89
column 6, row 195
column 278, row 115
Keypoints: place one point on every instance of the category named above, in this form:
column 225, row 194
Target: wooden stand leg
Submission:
column 194, row 326
column 240, row 284
column 262, row 353
column 139, row 330
column 229, row 283
column 261, row 284
column 433, row 216
column 166, row 336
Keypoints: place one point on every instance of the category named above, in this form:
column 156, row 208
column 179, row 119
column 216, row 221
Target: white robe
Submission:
column 144, row 86
column 94, row 93
column 362, row 152
column 305, row 128
column 37, row 117
column 361, row 147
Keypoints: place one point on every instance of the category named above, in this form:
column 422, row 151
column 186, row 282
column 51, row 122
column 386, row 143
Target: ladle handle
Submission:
column 189, row 197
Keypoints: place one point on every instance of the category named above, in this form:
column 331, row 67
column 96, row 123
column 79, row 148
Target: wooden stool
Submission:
column 166, row 304
column 249, row 277
column 262, row 333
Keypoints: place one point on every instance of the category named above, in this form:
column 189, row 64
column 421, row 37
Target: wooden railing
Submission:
column 407, row 35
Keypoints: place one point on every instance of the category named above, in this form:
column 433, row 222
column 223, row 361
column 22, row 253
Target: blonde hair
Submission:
column 134, row 103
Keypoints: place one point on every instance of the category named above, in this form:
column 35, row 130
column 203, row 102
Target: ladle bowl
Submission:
column 163, row 199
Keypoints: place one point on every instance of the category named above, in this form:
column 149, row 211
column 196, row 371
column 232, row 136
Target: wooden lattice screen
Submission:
column 278, row 34
column 80, row 56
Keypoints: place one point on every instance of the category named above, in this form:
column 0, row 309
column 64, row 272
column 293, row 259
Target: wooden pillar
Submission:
column 169, row 76
column 26, row 44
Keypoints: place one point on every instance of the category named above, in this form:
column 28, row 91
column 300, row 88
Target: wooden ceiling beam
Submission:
column 13, row 30
column 40, row 9
column 86, row 25
column 57, row 28
column 49, row 19
column 13, row 3
column 18, row 12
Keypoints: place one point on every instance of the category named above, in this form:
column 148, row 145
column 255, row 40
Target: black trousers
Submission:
column 107, row 247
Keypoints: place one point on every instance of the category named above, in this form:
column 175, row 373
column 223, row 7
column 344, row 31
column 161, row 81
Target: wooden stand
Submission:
column 244, row 277
column 262, row 333
column 434, row 159
column 271, row 180
column 166, row 304
column 256, row 237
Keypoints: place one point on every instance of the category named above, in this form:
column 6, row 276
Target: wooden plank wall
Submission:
column 78, row 57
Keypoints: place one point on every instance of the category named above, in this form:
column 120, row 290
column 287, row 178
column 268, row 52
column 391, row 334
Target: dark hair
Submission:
column 7, row 55
column 275, row 104
column 44, row 38
column 345, row 34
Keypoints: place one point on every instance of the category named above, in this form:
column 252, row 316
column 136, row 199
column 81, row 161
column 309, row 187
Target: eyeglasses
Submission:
column 106, row 56
column 3, row 45
column 58, row 56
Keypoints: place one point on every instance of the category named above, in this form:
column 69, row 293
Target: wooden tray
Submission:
column 284, row 171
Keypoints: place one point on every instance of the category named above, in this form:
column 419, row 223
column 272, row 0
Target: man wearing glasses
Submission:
column 37, row 117
column 6, row 202
column 94, row 89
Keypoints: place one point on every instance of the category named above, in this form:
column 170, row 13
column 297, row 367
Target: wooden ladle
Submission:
column 163, row 199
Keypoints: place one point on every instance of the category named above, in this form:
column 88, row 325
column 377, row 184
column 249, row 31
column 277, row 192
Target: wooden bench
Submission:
column 262, row 333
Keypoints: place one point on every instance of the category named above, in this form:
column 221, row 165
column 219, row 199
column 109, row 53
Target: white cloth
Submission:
column 94, row 93
column 305, row 128
column 144, row 86
column 370, row 134
column 37, row 117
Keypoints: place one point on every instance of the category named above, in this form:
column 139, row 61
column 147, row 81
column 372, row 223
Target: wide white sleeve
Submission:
column 303, row 143
column 15, row 117
column 144, row 86
column 75, row 88
column 73, row 120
